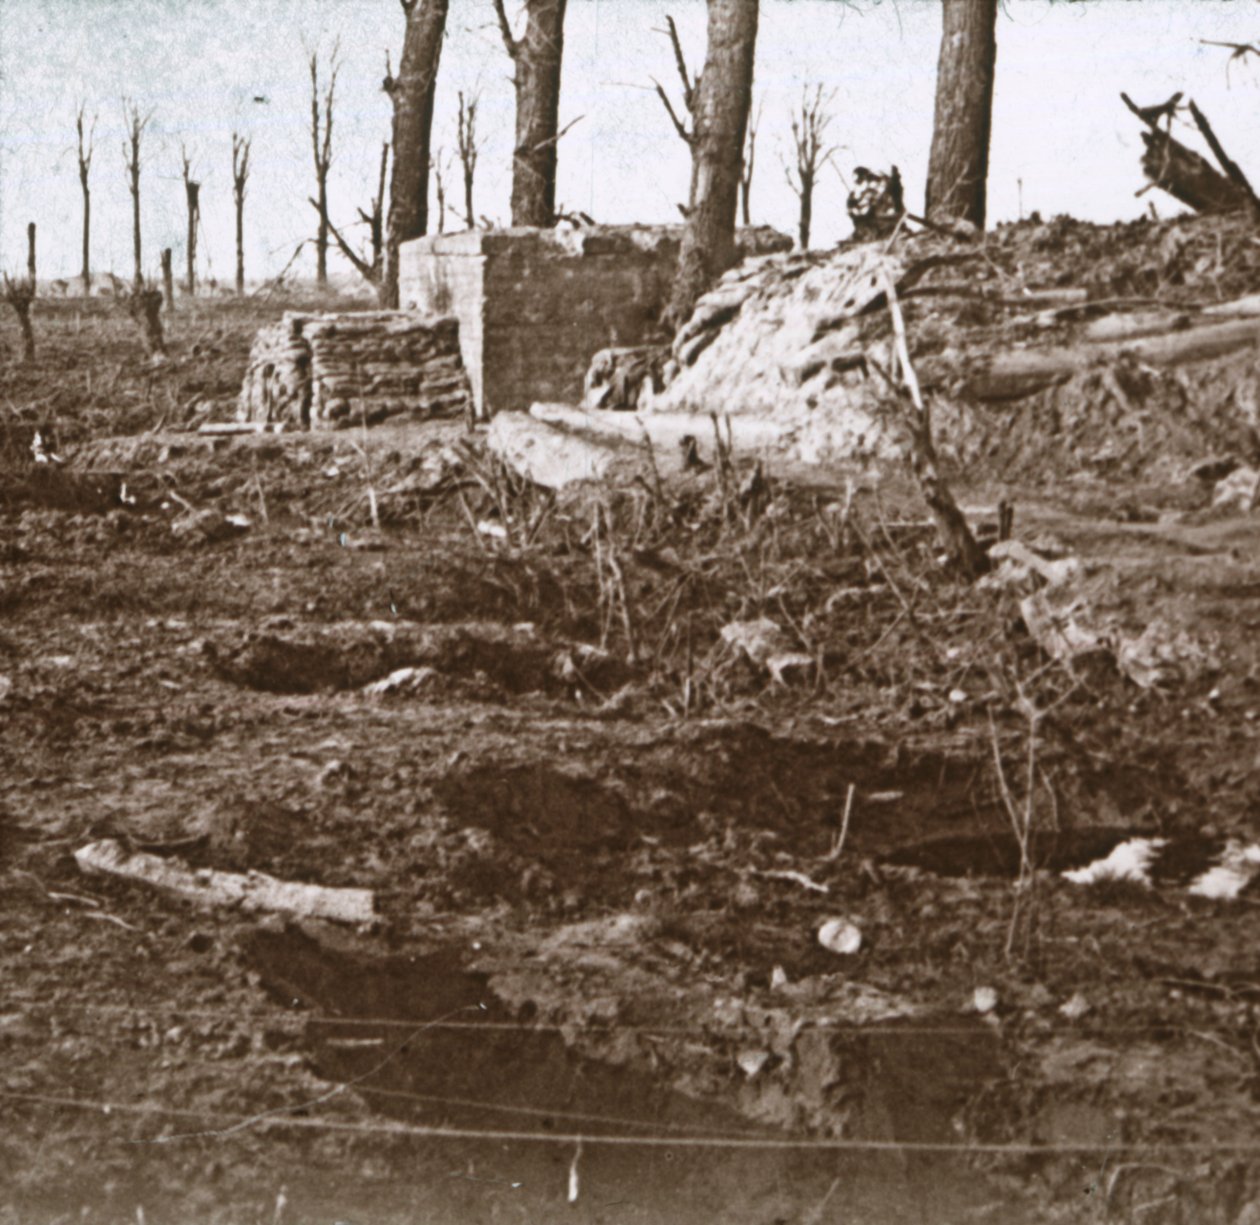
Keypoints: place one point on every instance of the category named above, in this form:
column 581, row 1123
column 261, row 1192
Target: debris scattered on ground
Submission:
column 1076, row 1007
column 840, row 936
column 1239, row 491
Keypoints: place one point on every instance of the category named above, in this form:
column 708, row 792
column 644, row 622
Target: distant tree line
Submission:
column 714, row 120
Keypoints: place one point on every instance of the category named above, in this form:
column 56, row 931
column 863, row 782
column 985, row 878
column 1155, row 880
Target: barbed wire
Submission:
column 235, row 1124
column 887, row 1028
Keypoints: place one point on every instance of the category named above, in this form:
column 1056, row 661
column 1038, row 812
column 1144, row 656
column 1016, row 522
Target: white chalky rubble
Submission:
column 1129, row 861
column 1238, row 866
column 1137, row 860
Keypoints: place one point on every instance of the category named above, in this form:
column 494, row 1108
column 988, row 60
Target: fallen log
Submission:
column 1012, row 376
column 207, row 887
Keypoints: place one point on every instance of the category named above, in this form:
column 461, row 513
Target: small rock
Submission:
column 751, row 1062
column 333, row 773
column 778, row 978
column 1075, row 1008
column 984, row 999
column 840, row 936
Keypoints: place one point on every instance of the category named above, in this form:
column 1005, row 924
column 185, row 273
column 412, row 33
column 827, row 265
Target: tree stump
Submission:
column 20, row 294
column 145, row 307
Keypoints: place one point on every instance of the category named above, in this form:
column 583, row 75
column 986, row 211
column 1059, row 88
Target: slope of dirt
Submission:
column 1051, row 347
column 602, row 836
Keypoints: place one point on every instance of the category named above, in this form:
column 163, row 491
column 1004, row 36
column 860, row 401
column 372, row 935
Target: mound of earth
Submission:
column 1051, row 347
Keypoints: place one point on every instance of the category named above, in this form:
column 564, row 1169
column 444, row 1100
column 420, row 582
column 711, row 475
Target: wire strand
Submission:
column 717, row 1029
column 768, row 1143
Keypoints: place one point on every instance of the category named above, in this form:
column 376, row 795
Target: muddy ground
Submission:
column 601, row 837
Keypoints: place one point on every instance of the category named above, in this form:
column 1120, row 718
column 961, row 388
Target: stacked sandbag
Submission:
column 332, row 371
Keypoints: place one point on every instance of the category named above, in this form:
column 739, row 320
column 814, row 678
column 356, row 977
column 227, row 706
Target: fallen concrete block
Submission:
column 548, row 456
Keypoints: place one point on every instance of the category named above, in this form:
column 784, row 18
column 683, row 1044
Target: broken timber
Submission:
column 1183, row 173
column 1012, row 376
column 208, row 887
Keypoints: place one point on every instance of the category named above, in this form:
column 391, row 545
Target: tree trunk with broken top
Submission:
column 722, row 103
column 536, row 57
column 411, row 94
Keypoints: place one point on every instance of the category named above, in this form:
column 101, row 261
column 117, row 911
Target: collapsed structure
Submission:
column 492, row 321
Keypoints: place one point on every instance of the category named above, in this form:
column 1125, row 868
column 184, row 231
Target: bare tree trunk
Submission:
column 192, row 198
column 723, row 99
column 240, row 177
column 376, row 222
column 168, row 279
column 809, row 136
column 537, row 57
column 86, row 149
column 321, row 147
column 439, row 186
column 412, row 93
column 136, row 123
column 30, row 252
column 958, row 168
column 806, row 220
column 467, row 137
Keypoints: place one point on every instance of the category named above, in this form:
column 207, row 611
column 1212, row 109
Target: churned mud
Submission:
column 602, row 835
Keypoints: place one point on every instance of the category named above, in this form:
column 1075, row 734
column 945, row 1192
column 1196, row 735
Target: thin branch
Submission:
column 505, row 28
column 364, row 268
column 551, row 140
column 680, row 61
column 1240, row 50
column 1231, row 167
column 679, row 126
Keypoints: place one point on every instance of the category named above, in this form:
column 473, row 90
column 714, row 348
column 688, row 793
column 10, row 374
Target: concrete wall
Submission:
column 534, row 306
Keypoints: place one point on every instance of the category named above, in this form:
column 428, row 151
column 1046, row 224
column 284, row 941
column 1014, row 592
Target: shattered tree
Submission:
column 136, row 124
column 322, row 151
column 85, row 151
column 1180, row 171
column 723, row 98
column 411, row 94
column 537, row 58
column 958, row 167
column 240, row 177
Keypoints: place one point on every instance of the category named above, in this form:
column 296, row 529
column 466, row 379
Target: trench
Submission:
column 440, row 1051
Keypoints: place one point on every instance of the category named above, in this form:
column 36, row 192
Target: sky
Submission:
column 1062, row 141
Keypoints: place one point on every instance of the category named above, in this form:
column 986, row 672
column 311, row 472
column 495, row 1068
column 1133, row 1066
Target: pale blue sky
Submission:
column 197, row 64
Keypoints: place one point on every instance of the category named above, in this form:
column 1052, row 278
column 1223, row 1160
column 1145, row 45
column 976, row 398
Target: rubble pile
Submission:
column 1047, row 348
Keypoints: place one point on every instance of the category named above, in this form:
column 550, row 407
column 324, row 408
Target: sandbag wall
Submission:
column 333, row 371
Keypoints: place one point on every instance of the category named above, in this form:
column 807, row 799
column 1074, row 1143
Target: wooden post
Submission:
column 30, row 253
column 168, row 279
